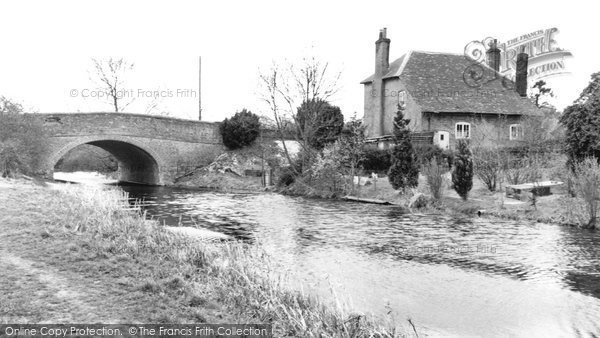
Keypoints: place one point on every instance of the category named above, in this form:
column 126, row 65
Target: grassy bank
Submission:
column 225, row 182
column 559, row 208
column 229, row 170
column 76, row 254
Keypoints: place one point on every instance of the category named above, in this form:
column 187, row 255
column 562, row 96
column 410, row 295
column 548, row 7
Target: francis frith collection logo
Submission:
column 545, row 57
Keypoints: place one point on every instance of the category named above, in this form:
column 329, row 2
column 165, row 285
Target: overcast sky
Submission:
column 47, row 45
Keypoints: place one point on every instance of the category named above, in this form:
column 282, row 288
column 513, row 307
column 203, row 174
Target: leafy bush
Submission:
column 404, row 172
column 10, row 159
column 435, row 178
column 287, row 177
column 330, row 172
column 303, row 161
column 448, row 155
column 564, row 172
column 22, row 140
column 327, row 171
column 587, row 183
column 573, row 211
column 488, row 166
column 462, row 173
column 517, row 175
column 241, row 130
column 582, row 123
column 320, row 123
column 522, row 170
column 427, row 152
column 376, row 159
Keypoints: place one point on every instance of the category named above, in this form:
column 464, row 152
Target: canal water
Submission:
column 450, row 276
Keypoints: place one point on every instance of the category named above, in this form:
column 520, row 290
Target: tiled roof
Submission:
column 393, row 69
column 441, row 82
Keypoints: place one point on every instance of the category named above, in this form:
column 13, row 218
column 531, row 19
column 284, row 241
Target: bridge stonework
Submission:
column 149, row 149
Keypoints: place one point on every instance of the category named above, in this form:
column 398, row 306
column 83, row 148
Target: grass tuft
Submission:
column 150, row 286
column 196, row 301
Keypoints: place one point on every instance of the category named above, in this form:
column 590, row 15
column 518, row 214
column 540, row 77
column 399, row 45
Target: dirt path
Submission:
column 43, row 288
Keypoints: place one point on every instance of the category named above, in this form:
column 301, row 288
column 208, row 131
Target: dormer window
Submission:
column 462, row 130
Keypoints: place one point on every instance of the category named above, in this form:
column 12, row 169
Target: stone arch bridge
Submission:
column 147, row 148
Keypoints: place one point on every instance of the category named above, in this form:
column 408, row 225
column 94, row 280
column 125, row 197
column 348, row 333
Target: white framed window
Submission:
column 516, row 132
column 462, row 130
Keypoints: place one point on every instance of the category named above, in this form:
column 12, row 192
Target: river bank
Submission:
column 558, row 208
column 78, row 254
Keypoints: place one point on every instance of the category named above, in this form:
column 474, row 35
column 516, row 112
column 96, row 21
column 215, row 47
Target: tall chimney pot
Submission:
column 382, row 53
column 493, row 56
column 521, row 72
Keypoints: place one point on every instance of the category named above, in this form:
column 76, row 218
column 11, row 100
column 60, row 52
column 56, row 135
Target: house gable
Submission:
column 393, row 91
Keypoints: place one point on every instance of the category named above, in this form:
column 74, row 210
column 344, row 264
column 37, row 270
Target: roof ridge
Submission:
column 406, row 56
column 428, row 52
column 484, row 64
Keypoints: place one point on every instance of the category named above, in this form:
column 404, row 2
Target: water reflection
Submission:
column 452, row 276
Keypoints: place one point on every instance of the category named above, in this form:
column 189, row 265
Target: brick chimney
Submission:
column 521, row 72
column 374, row 114
column 382, row 53
column 493, row 56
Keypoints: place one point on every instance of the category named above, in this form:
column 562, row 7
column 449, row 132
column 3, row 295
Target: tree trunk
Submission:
column 116, row 103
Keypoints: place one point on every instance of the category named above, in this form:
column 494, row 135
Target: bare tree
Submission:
column 270, row 95
column 488, row 144
column 155, row 105
column 111, row 74
column 286, row 87
column 352, row 144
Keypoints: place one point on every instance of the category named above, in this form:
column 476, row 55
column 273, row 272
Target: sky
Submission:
column 45, row 55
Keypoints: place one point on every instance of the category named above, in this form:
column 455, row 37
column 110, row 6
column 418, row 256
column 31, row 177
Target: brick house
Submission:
column 444, row 97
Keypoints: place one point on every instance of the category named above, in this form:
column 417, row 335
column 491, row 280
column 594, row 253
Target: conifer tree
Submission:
column 404, row 171
column 462, row 173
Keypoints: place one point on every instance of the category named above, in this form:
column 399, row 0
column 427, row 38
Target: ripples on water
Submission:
column 452, row 276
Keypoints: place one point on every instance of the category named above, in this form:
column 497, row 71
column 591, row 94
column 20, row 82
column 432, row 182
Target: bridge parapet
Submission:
column 156, row 127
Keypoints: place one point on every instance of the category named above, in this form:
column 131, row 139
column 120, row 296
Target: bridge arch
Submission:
column 138, row 163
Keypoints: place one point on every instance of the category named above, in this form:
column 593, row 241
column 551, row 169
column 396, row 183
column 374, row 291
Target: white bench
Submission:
column 519, row 191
